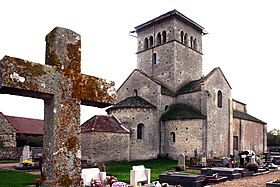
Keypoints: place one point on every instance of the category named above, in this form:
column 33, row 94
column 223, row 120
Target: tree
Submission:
column 273, row 138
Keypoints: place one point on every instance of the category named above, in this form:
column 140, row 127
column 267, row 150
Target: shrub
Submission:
column 252, row 167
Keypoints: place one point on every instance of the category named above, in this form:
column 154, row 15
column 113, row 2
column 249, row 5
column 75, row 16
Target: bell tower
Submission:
column 170, row 49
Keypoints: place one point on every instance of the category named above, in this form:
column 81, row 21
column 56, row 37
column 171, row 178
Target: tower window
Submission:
column 166, row 107
column 154, row 58
column 140, row 131
column 186, row 39
column 191, row 42
column 182, row 37
column 151, row 41
column 173, row 138
column 135, row 93
column 194, row 44
column 220, row 99
column 163, row 36
column 146, row 43
column 158, row 39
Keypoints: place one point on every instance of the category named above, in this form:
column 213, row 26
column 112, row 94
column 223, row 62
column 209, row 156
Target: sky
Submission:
column 243, row 41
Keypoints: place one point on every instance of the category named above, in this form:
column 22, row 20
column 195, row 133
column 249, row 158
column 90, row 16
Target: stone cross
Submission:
column 63, row 88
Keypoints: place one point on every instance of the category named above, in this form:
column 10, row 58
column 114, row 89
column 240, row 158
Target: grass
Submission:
column 16, row 178
column 8, row 161
column 121, row 170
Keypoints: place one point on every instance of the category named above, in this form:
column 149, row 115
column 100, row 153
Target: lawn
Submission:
column 121, row 170
column 16, row 178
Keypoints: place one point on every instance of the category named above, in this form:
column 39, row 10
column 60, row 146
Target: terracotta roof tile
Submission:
column 103, row 123
column 27, row 125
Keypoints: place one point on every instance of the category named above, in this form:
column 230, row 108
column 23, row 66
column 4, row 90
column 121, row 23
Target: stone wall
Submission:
column 7, row 132
column 105, row 147
column 219, row 135
column 16, row 152
column 251, row 135
column 189, row 135
column 148, row 146
column 176, row 63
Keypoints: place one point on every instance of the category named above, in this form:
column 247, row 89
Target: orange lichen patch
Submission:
column 74, row 55
column 65, row 181
column 72, row 143
column 97, row 90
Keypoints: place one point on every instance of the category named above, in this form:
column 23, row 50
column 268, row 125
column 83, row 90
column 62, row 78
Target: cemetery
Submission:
column 64, row 89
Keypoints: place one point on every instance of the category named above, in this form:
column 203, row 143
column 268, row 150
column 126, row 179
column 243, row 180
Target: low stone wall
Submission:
column 15, row 152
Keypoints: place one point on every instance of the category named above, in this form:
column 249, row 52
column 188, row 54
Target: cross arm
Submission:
column 26, row 78
column 96, row 91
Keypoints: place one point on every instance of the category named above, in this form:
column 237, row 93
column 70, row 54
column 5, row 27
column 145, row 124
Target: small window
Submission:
column 154, row 58
column 220, row 99
column 195, row 44
column 158, row 39
column 191, row 42
column 186, row 39
column 140, row 131
column 163, row 36
column 182, row 37
column 135, row 93
column 146, row 43
column 173, row 138
column 151, row 41
column 166, row 107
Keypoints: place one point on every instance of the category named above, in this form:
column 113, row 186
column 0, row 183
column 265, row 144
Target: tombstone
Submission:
column 26, row 154
column 63, row 88
column 181, row 162
column 203, row 161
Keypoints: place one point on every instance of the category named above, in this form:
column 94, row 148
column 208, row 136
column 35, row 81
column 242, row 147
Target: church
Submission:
column 167, row 106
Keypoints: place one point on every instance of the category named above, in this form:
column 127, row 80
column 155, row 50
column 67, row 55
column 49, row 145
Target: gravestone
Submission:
column 26, row 154
column 181, row 162
column 63, row 88
column 203, row 161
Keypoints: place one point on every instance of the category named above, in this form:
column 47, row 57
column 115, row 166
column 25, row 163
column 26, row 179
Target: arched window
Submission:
column 220, row 99
column 154, row 58
column 158, row 38
column 166, row 107
column 191, row 42
column 135, row 93
column 173, row 138
column 182, row 37
column 140, row 131
column 186, row 39
column 146, row 43
column 151, row 41
column 194, row 44
column 163, row 36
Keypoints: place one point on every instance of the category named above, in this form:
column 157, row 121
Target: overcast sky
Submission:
column 243, row 41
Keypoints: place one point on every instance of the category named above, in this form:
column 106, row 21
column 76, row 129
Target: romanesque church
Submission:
column 167, row 106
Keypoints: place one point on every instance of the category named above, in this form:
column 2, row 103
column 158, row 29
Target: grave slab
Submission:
column 189, row 180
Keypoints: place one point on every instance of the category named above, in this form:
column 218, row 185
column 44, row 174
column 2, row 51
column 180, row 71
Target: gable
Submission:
column 5, row 125
column 217, row 72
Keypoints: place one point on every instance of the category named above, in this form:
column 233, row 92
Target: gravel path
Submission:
column 254, row 181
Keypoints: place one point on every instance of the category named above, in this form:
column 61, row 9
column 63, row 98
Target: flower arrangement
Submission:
column 37, row 182
column 119, row 184
column 276, row 180
column 95, row 183
column 110, row 180
column 232, row 163
column 27, row 163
